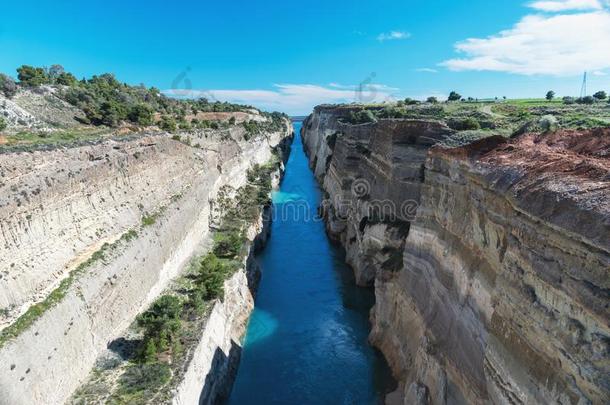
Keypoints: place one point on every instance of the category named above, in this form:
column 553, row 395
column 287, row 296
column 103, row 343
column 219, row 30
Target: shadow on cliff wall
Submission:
column 220, row 378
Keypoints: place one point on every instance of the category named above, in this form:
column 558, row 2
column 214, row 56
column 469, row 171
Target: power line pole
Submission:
column 583, row 89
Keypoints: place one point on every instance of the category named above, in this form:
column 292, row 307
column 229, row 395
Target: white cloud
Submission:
column 426, row 70
column 560, row 45
column 295, row 99
column 564, row 5
column 599, row 73
column 393, row 35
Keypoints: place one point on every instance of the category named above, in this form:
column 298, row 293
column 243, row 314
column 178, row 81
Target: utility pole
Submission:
column 583, row 89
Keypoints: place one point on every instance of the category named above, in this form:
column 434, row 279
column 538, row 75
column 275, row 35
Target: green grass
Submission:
column 64, row 137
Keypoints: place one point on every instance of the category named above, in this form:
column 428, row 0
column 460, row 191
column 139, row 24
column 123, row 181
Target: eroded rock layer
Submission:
column 491, row 262
column 90, row 235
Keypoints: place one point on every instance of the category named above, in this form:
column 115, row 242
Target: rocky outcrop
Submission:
column 496, row 288
column 89, row 237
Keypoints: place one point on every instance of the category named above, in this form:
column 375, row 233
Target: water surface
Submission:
column 306, row 341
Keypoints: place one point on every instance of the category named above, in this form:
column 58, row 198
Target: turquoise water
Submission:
column 306, row 342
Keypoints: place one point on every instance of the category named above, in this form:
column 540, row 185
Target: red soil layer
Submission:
column 584, row 154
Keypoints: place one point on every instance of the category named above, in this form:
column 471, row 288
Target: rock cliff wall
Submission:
column 90, row 235
column 491, row 262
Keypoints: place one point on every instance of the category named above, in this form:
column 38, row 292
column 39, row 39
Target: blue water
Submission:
column 306, row 342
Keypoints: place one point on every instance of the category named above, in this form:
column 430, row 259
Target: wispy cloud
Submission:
column 295, row 99
column 566, row 5
column 556, row 44
column 393, row 35
column 426, row 70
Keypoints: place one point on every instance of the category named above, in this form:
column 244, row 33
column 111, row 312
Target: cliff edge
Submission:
column 490, row 261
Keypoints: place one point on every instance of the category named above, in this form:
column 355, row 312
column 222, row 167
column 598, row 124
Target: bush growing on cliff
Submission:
column 464, row 124
column 228, row 244
column 362, row 117
column 139, row 383
column 161, row 324
column 211, row 276
column 2, row 124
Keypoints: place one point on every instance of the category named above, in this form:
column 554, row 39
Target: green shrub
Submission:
column 161, row 324
column 362, row 117
column 600, row 95
column 586, row 100
column 66, row 79
column 3, row 124
column 168, row 123
column 32, row 76
column 228, row 244
column 211, row 276
column 137, row 384
column 141, row 114
column 464, row 124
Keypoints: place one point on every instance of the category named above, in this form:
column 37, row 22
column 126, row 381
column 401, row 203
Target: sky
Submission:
column 289, row 56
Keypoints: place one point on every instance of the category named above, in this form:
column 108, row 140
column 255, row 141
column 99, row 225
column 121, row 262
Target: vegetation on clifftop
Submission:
column 485, row 118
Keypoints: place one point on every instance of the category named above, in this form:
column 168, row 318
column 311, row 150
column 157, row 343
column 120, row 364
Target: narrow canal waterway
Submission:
column 306, row 342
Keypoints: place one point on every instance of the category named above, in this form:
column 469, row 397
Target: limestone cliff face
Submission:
column 495, row 287
column 108, row 225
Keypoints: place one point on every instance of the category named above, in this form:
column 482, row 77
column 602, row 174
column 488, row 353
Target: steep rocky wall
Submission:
column 497, row 289
column 59, row 208
column 209, row 376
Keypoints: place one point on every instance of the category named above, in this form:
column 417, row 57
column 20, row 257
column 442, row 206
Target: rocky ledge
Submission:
column 490, row 261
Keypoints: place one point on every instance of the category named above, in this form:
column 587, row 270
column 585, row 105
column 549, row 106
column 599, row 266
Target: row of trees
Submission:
column 598, row 96
column 106, row 101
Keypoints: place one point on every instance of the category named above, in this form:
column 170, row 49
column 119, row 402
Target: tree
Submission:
column 55, row 71
column 111, row 113
column 141, row 114
column 586, row 100
column 454, row 96
column 161, row 324
column 150, row 351
column 550, row 95
column 32, row 76
column 600, row 95
column 66, row 79
column 168, row 123
column 568, row 100
column 432, row 100
column 7, row 85
column 410, row 101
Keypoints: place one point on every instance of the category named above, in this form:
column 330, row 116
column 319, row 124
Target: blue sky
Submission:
column 290, row 56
